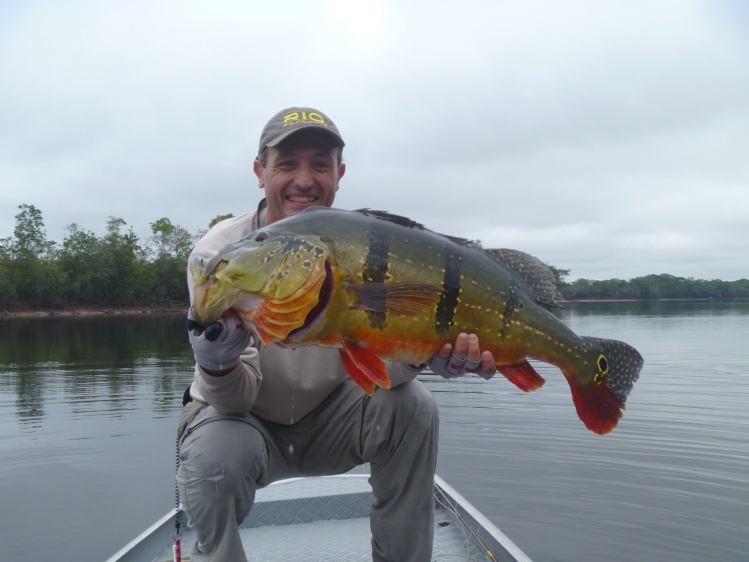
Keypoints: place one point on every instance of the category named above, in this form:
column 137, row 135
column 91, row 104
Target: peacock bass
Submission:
column 376, row 285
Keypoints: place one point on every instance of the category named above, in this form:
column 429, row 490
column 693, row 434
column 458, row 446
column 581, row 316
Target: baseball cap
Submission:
column 294, row 119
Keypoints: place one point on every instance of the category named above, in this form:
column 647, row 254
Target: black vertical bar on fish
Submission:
column 450, row 297
column 511, row 306
column 376, row 266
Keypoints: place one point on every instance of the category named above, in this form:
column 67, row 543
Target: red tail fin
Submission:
column 597, row 406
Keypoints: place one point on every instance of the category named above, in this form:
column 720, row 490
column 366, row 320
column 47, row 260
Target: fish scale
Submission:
column 380, row 286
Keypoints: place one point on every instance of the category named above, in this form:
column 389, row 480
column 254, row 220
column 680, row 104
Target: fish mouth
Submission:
column 326, row 292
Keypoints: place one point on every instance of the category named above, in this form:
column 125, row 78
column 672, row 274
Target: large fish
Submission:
column 376, row 285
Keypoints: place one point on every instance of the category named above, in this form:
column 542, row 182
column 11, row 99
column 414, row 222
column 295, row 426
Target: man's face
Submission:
column 301, row 172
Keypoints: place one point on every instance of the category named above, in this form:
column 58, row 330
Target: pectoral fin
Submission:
column 407, row 298
column 522, row 375
column 363, row 366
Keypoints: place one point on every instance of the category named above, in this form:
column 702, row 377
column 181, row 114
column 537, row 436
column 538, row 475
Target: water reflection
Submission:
column 92, row 363
column 110, row 341
column 89, row 406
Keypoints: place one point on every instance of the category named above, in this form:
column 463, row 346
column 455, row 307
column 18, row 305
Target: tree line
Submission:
column 650, row 287
column 115, row 270
column 121, row 270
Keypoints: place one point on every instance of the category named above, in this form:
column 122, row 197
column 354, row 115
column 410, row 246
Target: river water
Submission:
column 89, row 406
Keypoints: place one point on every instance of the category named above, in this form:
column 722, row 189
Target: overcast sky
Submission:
column 608, row 138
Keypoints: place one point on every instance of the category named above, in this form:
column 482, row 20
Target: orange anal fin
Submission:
column 356, row 375
column 522, row 375
column 597, row 406
column 365, row 364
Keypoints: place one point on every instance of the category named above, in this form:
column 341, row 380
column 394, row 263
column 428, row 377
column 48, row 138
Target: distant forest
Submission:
column 119, row 270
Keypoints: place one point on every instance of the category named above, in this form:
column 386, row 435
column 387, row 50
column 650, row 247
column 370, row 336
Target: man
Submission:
column 262, row 413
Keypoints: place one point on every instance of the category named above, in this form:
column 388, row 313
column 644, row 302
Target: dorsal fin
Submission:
column 390, row 217
column 410, row 223
column 538, row 276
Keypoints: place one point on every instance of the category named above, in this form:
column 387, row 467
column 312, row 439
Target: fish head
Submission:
column 272, row 281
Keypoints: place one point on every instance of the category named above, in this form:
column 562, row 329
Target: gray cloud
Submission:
column 607, row 138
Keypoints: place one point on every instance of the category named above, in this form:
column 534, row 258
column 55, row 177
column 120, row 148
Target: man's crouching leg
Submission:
column 223, row 460
column 399, row 439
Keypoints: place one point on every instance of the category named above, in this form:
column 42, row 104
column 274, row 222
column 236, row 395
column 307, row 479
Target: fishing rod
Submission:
column 447, row 504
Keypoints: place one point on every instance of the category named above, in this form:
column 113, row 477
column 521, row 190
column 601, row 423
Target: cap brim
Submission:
column 282, row 137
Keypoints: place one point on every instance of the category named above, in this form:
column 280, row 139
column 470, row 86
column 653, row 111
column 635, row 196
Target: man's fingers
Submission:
column 487, row 361
column 195, row 327
column 461, row 346
column 445, row 351
column 472, row 348
column 213, row 331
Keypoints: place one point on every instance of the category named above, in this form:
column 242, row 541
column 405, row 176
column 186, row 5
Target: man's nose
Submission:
column 303, row 178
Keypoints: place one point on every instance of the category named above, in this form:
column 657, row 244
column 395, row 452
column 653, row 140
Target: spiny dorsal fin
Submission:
column 539, row 278
column 390, row 217
column 405, row 221
column 465, row 242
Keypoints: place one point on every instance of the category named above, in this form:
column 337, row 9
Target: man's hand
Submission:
column 466, row 357
column 217, row 347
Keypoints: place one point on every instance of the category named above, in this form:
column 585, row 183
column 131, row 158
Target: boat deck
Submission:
column 327, row 519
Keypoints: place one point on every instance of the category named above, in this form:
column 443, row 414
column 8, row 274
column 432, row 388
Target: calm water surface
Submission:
column 89, row 406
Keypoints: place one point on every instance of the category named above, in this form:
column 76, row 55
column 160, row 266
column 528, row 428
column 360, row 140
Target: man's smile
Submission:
column 301, row 198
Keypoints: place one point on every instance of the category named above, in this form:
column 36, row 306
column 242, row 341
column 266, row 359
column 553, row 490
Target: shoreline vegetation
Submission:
column 121, row 273
column 47, row 312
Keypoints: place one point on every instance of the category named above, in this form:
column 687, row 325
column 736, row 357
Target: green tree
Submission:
column 30, row 234
column 119, row 265
column 171, row 246
column 79, row 259
column 8, row 296
column 29, row 273
column 171, row 240
column 218, row 218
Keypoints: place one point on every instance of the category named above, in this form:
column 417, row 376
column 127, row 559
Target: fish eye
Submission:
column 261, row 236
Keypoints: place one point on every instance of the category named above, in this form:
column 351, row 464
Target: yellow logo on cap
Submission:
column 303, row 117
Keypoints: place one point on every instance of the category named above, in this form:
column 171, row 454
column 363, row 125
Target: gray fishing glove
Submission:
column 452, row 367
column 217, row 346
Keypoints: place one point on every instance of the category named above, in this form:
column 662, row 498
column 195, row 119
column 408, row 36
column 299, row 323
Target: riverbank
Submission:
column 173, row 308
column 91, row 311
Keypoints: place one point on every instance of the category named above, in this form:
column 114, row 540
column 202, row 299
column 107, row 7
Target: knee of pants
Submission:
column 401, row 425
column 411, row 398
column 225, row 452
column 408, row 405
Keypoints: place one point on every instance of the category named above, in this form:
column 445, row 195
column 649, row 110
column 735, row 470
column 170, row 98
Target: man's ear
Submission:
column 258, row 168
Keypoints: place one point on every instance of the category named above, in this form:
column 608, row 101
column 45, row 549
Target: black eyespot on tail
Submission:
column 621, row 364
column 603, row 365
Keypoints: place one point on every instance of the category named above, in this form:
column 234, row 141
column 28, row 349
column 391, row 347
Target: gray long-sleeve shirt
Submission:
column 274, row 382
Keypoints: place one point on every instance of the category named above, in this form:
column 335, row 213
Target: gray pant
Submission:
column 225, row 459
